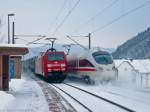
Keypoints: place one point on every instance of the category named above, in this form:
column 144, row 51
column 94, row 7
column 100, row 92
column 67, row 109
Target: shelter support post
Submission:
column 1, row 73
column 5, row 72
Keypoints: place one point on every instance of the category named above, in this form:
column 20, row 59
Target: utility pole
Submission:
column 89, row 40
column 13, row 33
column 8, row 27
column 8, row 31
column 89, row 36
column 76, row 41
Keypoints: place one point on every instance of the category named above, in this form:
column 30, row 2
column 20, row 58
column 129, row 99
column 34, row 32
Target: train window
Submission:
column 54, row 57
column 103, row 59
column 85, row 63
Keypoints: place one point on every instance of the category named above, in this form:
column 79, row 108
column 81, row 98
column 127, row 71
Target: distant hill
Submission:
column 136, row 48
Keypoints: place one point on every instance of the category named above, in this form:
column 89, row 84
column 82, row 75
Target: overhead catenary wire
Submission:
column 120, row 17
column 35, row 40
column 65, row 18
column 77, row 42
column 23, row 35
column 36, row 51
column 106, row 25
column 58, row 14
column 57, row 28
column 70, row 11
column 96, row 15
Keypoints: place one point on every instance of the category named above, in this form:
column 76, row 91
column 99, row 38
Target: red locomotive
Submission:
column 52, row 65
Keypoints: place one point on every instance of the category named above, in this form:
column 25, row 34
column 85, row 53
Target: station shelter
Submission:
column 10, row 53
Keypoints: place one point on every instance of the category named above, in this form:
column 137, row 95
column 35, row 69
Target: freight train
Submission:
column 92, row 65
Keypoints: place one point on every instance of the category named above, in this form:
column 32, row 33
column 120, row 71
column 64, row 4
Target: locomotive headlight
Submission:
column 63, row 65
column 100, row 68
column 49, row 65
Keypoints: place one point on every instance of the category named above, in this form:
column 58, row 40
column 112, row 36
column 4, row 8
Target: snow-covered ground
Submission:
column 25, row 95
column 93, row 103
column 5, row 99
column 132, row 90
column 133, row 99
column 134, row 72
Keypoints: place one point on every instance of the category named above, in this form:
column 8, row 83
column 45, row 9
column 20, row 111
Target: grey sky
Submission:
column 39, row 17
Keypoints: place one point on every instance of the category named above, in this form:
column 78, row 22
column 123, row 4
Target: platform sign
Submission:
column 11, row 69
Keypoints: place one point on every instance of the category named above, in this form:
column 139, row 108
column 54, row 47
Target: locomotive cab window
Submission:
column 54, row 57
column 85, row 63
column 103, row 58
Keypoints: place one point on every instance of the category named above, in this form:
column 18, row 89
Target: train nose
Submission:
column 56, row 67
column 106, row 72
column 106, row 68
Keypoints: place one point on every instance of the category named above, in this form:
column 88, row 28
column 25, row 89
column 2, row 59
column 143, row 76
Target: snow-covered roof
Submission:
column 118, row 62
column 14, row 45
column 13, row 49
column 141, row 65
column 126, row 63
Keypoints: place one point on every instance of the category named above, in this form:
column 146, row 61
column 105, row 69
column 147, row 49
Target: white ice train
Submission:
column 92, row 66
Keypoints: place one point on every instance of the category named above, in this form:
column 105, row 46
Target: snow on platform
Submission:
column 5, row 99
column 24, row 95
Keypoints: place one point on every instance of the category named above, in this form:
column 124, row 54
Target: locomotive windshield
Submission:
column 103, row 58
column 54, row 57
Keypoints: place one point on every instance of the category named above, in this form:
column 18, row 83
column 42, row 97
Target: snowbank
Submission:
column 134, row 72
column 16, row 84
column 5, row 99
column 28, row 96
column 25, row 95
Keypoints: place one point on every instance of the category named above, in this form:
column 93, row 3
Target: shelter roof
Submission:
column 13, row 49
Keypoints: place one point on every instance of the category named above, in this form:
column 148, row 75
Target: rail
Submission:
column 107, row 100
column 73, row 98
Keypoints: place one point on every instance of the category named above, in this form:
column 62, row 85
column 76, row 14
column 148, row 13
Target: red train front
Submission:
column 52, row 65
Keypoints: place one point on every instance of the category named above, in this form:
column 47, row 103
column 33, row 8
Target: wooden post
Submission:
column 5, row 72
column 1, row 73
column 17, row 65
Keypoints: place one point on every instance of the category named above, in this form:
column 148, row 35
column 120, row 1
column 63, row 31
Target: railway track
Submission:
column 56, row 102
column 84, row 106
column 132, row 96
column 91, row 94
